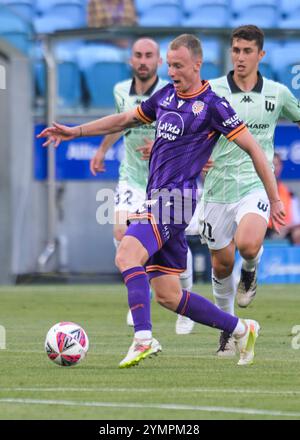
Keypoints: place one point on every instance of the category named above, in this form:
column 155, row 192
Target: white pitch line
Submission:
column 161, row 406
column 150, row 390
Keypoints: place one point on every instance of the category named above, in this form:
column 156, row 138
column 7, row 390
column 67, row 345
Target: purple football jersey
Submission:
column 187, row 128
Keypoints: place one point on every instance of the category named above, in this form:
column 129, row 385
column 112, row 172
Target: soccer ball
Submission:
column 66, row 344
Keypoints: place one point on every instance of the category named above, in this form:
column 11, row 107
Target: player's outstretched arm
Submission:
column 97, row 162
column 247, row 142
column 109, row 124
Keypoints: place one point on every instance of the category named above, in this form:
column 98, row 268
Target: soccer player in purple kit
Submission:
column 189, row 119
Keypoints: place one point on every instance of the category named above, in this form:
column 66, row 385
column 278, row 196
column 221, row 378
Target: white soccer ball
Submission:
column 66, row 344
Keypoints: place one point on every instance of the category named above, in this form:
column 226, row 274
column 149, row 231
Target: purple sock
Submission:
column 201, row 310
column 137, row 284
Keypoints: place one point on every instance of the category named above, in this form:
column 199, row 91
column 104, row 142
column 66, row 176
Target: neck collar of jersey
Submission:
column 148, row 92
column 203, row 88
column 235, row 89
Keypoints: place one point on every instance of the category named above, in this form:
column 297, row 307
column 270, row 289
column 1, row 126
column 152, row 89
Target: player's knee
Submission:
column 121, row 259
column 168, row 299
column 222, row 269
column 249, row 250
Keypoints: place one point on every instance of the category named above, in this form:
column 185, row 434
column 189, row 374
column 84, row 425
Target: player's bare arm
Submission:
column 109, row 124
column 97, row 162
column 246, row 141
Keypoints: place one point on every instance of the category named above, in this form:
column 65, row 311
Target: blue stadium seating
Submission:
column 287, row 7
column 161, row 13
column 15, row 29
column 102, row 67
column 211, row 67
column 286, row 63
column 214, row 13
column 290, row 10
column 24, row 8
column 43, row 6
column 263, row 13
column 68, row 74
column 61, row 14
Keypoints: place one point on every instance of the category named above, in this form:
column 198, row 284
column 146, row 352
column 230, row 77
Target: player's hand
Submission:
column 97, row 163
column 145, row 149
column 277, row 215
column 59, row 133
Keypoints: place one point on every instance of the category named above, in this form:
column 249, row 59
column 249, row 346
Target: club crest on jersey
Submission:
column 197, row 107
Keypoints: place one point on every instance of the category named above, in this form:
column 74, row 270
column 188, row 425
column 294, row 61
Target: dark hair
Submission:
column 250, row 33
column 189, row 41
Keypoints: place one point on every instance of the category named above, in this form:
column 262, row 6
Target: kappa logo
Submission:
column 247, row 99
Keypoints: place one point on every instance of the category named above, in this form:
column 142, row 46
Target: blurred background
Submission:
column 59, row 60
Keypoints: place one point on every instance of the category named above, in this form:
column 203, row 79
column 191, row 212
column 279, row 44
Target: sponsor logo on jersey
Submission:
column 270, row 106
column 180, row 103
column 262, row 206
column 258, row 126
column 247, row 99
column 168, row 100
column 234, row 120
column 170, row 126
column 197, row 107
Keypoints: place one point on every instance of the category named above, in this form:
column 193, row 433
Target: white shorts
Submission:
column 128, row 198
column 218, row 221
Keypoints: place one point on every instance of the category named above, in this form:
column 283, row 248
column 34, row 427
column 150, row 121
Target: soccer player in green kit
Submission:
column 131, row 190
column 235, row 208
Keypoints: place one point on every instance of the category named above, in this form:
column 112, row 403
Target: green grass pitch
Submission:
column 185, row 382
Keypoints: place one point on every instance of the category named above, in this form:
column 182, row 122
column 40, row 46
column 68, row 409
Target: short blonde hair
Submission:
column 189, row 41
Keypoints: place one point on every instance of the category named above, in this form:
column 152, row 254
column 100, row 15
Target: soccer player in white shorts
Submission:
column 235, row 208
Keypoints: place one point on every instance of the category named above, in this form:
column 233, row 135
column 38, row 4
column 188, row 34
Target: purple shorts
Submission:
column 163, row 236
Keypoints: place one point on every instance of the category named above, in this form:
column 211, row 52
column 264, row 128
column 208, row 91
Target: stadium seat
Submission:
column 102, row 67
column 288, row 7
column 266, row 66
column 61, row 14
column 211, row 67
column 206, row 13
column 43, row 6
column 262, row 13
column 161, row 13
column 68, row 74
column 15, row 29
column 290, row 14
column 24, row 8
column 286, row 64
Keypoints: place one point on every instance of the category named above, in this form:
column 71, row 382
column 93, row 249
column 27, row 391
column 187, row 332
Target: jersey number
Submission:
column 127, row 197
column 207, row 232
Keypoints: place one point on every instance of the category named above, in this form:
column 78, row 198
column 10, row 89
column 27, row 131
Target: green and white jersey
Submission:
column 133, row 170
column 233, row 175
